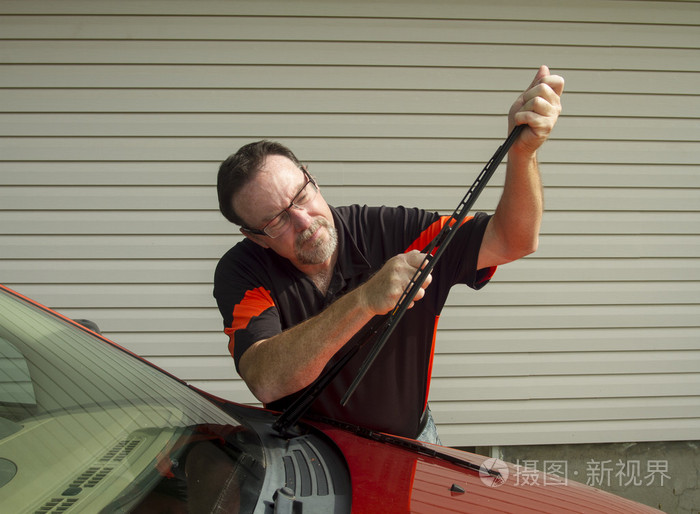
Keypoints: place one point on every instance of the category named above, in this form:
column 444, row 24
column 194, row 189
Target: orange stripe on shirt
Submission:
column 430, row 362
column 254, row 303
column 429, row 234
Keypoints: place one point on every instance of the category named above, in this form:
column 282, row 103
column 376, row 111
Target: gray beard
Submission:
column 322, row 250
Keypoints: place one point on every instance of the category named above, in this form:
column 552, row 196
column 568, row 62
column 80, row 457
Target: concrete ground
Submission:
column 664, row 475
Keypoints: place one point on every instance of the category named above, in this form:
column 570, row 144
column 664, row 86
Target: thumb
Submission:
column 541, row 73
column 415, row 258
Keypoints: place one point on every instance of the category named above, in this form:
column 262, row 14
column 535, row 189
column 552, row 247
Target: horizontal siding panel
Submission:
column 622, row 246
column 117, row 295
column 533, row 411
column 597, row 126
column 592, row 11
column 579, row 293
column 111, row 198
column 335, row 125
column 208, row 247
column 639, row 222
column 346, row 53
column 114, row 222
column 566, row 364
column 497, row 294
column 201, row 271
column 309, row 76
column 535, row 269
column 132, row 271
column 125, row 319
column 564, row 387
column 244, row 28
column 101, row 173
column 118, row 247
column 612, row 431
column 461, row 174
column 569, row 316
column 317, row 101
column 628, row 339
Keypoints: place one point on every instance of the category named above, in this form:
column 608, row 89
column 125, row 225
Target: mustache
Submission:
column 306, row 234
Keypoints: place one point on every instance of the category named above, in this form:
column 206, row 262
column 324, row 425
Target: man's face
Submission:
column 310, row 238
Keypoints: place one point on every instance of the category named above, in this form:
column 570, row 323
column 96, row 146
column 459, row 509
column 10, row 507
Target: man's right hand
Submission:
column 384, row 289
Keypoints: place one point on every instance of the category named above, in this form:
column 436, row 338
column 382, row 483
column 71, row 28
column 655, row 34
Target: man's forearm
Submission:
column 288, row 362
column 519, row 213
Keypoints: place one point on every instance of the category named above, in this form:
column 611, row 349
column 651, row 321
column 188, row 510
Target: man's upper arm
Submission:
column 248, row 310
column 254, row 318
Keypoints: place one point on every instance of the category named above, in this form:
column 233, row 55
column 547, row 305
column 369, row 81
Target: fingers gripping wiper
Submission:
column 383, row 328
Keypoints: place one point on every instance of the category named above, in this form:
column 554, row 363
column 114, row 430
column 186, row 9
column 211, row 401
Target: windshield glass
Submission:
column 84, row 426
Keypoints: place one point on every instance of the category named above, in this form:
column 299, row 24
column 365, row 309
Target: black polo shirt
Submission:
column 261, row 294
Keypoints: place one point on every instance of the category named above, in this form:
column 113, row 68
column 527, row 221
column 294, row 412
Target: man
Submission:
column 308, row 277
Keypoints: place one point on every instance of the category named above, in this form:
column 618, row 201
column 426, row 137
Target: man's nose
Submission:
column 301, row 220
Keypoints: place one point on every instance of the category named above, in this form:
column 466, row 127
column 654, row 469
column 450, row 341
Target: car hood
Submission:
column 400, row 479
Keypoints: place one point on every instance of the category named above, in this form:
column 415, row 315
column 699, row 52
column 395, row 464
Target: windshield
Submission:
column 84, row 426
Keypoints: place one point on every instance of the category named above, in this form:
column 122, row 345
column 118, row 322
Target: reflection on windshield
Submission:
column 85, row 426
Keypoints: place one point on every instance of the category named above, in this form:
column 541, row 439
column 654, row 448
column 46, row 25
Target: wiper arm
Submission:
column 385, row 325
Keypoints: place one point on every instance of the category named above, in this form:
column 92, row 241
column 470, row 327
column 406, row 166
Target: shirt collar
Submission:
column 350, row 261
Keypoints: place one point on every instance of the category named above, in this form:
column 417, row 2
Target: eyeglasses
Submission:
column 280, row 223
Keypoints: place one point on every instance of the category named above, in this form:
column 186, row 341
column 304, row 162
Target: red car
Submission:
column 86, row 426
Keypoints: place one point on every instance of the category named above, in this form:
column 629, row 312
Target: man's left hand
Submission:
column 538, row 107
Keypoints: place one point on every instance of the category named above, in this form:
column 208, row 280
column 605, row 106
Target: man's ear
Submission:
column 255, row 238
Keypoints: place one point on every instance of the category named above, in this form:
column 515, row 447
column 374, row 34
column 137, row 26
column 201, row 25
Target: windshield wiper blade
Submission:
column 438, row 246
column 384, row 325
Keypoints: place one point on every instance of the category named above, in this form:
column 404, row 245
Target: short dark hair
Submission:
column 241, row 167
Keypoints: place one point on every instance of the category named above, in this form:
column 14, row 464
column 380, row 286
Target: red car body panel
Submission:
column 401, row 481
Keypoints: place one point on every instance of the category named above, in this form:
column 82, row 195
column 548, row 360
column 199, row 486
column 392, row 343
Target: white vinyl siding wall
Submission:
column 114, row 116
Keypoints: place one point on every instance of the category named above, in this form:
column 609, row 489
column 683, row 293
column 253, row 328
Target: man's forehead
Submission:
column 271, row 189
column 278, row 174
